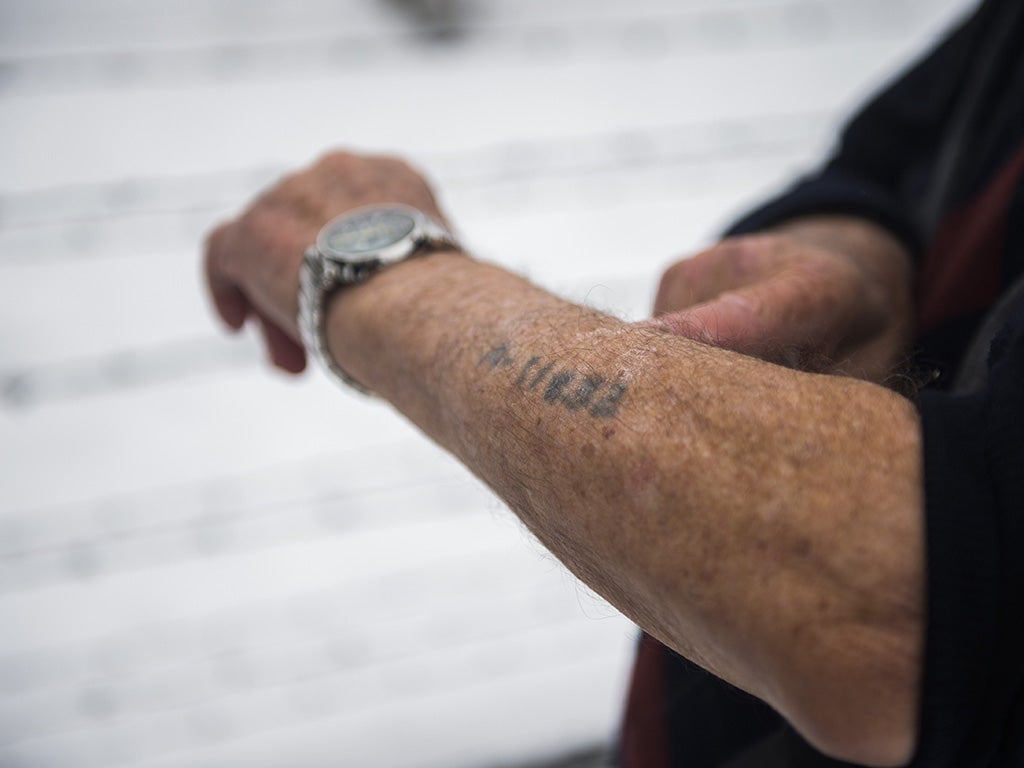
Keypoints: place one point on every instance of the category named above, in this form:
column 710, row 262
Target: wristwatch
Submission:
column 350, row 249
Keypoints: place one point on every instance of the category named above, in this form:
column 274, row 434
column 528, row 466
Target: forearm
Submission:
column 763, row 522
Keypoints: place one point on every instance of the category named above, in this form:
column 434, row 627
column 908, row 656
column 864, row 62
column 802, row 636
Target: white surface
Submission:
column 202, row 563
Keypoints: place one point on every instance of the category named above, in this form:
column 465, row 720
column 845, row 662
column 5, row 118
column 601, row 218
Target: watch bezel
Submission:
column 390, row 253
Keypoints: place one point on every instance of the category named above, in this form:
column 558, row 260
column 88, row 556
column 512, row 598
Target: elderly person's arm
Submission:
column 763, row 522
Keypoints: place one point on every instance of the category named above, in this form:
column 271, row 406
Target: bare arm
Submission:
column 763, row 522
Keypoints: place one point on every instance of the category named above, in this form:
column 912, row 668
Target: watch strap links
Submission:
column 318, row 278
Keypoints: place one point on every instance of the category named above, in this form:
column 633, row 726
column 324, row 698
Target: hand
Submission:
column 252, row 262
column 818, row 293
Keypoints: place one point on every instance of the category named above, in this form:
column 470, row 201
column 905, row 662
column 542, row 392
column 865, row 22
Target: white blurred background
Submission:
column 203, row 563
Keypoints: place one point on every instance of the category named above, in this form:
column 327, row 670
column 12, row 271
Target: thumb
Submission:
column 734, row 320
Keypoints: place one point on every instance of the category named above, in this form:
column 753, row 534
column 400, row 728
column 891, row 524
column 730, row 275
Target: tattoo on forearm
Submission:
column 571, row 389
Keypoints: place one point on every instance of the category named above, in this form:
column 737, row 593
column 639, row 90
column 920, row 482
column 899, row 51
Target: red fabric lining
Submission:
column 960, row 273
column 645, row 741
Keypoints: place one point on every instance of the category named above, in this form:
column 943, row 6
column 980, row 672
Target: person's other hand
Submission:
column 252, row 262
column 819, row 293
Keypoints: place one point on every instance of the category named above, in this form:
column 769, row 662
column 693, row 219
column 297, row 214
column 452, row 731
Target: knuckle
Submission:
column 740, row 252
column 746, row 249
column 728, row 247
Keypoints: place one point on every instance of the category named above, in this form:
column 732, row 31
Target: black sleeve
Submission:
column 973, row 689
column 886, row 153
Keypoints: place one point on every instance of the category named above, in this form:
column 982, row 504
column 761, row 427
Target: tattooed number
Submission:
column 608, row 405
column 570, row 389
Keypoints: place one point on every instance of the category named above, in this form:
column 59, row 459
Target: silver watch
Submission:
column 350, row 249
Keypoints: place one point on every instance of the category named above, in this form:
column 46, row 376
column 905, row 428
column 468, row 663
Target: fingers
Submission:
column 729, row 265
column 786, row 318
column 766, row 296
column 228, row 299
column 283, row 351
column 234, row 307
column 732, row 321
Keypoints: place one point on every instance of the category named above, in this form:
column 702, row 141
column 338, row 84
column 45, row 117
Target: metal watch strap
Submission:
column 318, row 278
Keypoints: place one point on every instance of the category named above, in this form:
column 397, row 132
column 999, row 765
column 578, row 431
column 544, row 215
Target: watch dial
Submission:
column 368, row 231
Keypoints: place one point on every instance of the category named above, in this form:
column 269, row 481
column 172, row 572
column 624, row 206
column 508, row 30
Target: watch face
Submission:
column 365, row 233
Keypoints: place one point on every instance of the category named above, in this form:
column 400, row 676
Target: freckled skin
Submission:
column 760, row 521
column 764, row 523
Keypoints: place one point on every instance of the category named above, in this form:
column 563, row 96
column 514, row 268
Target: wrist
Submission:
column 351, row 249
column 365, row 324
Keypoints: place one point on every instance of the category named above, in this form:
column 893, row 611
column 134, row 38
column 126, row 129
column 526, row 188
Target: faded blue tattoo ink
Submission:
column 571, row 389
